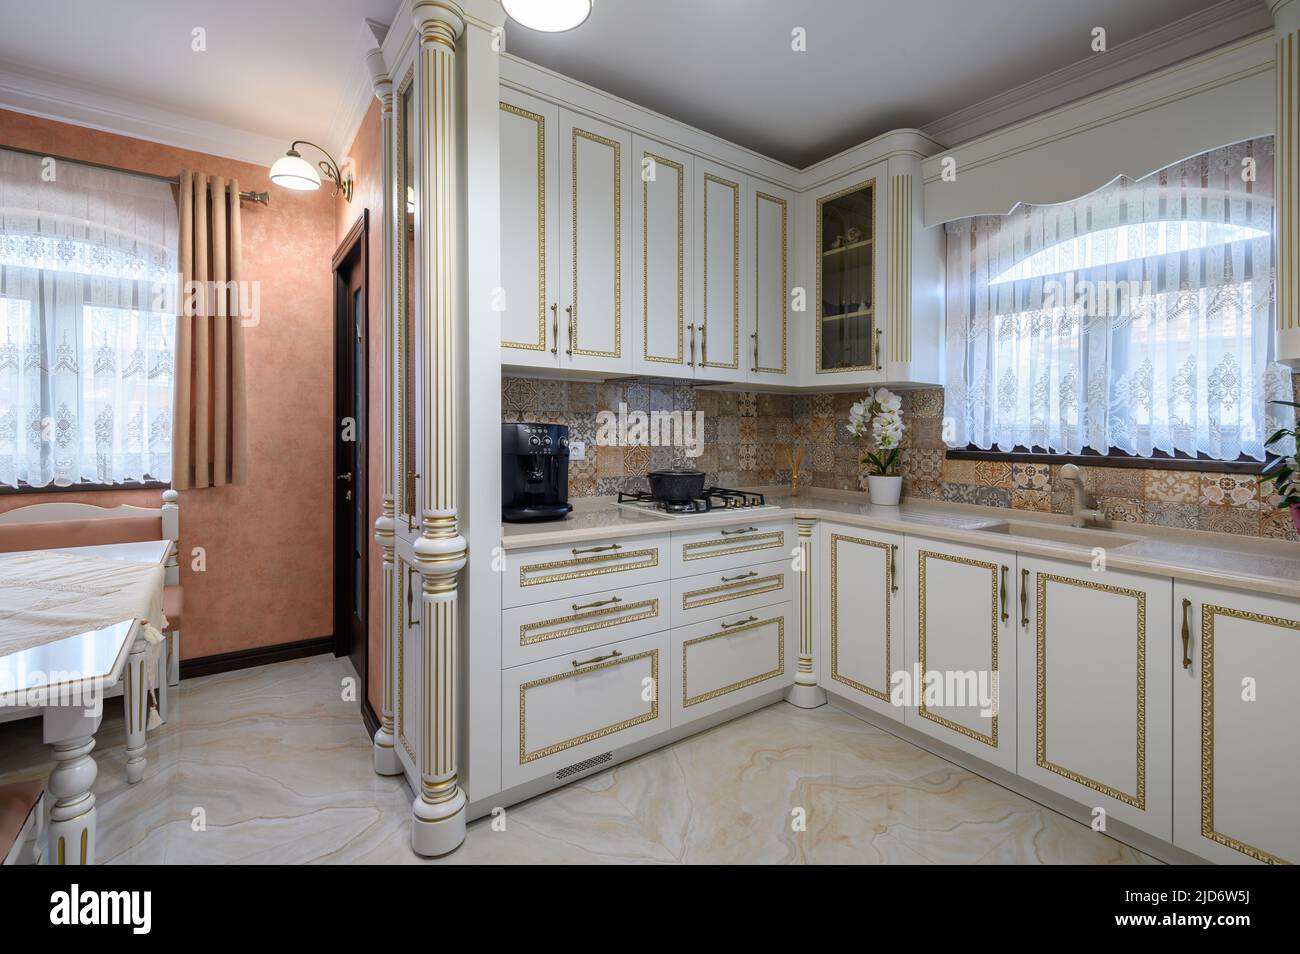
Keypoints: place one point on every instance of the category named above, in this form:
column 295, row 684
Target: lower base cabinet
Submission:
column 1236, row 713
column 961, row 643
column 1095, row 707
column 723, row 662
column 564, row 710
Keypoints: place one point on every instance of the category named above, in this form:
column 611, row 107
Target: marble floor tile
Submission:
column 272, row 765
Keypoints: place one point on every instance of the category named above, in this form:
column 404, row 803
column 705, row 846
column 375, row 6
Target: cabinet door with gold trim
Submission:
column 1095, row 689
column 530, row 233
column 961, row 646
column 767, row 322
column 860, row 574
column 721, row 272
column 1236, row 748
column 662, row 239
column 596, row 186
column 724, row 662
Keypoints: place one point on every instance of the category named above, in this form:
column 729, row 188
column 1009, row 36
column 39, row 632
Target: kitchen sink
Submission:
column 1070, row 536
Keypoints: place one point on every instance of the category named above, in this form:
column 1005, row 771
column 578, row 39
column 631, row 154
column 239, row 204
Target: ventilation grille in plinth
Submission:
column 570, row 770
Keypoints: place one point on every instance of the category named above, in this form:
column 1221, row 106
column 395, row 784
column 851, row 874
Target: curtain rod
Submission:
column 262, row 198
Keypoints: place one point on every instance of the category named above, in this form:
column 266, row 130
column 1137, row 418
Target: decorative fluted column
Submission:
column 386, row 762
column 440, row 551
column 1286, row 28
column 805, row 692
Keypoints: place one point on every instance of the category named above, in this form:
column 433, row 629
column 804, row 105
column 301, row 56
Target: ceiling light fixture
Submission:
column 294, row 172
column 548, row 16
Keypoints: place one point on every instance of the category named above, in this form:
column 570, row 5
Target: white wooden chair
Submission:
column 54, row 525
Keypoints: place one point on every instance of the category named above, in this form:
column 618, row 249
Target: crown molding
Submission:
column 352, row 107
column 1217, row 25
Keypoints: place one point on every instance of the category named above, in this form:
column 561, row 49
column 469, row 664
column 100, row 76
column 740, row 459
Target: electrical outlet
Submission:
column 577, row 450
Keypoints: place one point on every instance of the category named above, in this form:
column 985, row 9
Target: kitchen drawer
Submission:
column 726, row 593
column 706, row 551
column 721, row 663
column 541, row 630
column 553, row 573
column 564, row 710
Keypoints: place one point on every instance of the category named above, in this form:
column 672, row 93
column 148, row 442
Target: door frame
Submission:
column 355, row 244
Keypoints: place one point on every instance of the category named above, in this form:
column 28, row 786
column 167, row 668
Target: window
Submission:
column 87, row 326
column 1137, row 319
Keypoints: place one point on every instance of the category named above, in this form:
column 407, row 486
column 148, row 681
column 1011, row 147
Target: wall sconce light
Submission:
column 294, row 172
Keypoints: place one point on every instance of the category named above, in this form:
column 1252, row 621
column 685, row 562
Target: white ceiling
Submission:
column 726, row 66
column 273, row 71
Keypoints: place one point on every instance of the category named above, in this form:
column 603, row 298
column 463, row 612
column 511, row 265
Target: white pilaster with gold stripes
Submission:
column 805, row 693
column 1286, row 28
column 438, row 825
column 386, row 762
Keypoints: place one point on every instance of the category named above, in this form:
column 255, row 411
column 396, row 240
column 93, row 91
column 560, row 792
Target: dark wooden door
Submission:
column 351, row 514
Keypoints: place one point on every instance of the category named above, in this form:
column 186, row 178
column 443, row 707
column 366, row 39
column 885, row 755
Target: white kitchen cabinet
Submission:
column 723, row 662
column 708, row 551
column 862, row 596
column 1094, row 666
column 727, row 592
column 721, row 293
column 595, row 190
column 1236, row 749
column 771, row 221
column 542, row 630
column 662, row 240
column 961, row 637
column 539, row 574
column 530, row 322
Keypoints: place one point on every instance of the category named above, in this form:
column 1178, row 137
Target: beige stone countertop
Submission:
column 1249, row 563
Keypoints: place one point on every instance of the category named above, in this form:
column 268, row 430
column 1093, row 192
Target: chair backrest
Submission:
column 53, row 525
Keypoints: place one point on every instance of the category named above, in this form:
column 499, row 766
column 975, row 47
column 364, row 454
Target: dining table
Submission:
column 66, row 679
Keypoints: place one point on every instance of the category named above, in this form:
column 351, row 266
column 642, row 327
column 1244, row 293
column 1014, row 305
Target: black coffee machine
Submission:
column 534, row 472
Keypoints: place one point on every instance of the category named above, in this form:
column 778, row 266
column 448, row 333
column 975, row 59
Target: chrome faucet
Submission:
column 1082, row 513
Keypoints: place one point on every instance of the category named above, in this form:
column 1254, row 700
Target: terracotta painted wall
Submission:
column 268, row 543
column 367, row 157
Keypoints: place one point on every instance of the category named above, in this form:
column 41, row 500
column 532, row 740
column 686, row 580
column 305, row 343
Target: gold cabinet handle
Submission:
column 730, row 533
column 755, row 337
column 691, row 362
column 583, row 606
column 704, row 343
column 568, row 310
column 1187, row 633
column 612, row 546
column 555, row 329
column 742, row 576
column 595, row 659
column 1002, row 596
column 410, row 570
column 893, row 570
column 1024, row 597
column 741, row 622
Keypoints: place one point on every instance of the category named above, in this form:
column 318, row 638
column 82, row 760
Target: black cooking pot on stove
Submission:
column 675, row 485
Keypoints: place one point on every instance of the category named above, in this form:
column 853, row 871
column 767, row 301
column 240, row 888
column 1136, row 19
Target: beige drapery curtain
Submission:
column 211, row 422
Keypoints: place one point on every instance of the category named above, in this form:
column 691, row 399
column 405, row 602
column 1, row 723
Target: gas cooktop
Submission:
column 710, row 500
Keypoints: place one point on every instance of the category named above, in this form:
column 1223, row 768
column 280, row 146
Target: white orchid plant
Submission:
column 878, row 420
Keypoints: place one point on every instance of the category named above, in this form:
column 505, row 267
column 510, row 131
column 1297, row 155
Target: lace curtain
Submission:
column 87, row 326
column 1138, row 318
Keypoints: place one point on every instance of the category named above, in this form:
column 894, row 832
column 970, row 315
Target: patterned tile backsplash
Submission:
column 748, row 438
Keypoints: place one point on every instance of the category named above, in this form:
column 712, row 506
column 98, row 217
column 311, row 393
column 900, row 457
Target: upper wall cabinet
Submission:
column 721, row 219
column 771, row 220
column 662, row 240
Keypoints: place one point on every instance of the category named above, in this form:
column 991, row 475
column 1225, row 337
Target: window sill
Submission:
column 1247, row 466
column 84, row 487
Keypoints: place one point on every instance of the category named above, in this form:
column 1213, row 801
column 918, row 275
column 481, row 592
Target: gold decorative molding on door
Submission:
column 689, row 700
column 580, row 567
column 720, row 546
column 922, row 555
column 1208, row 614
column 1137, row 799
column 574, row 318
column 900, row 270
column 734, row 364
column 587, row 621
column 869, row 184
column 836, row 539
column 724, row 592
column 540, row 121
column 760, row 197
column 679, row 357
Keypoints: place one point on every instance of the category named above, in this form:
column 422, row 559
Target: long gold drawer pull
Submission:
column 409, row 571
column 595, row 659
column 740, row 622
column 728, row 533
column 742, row 576
column 1002, row 596
column 1024, row 597
column 1187, row 633
column 612, row 546
column 893, row 570
column 555, row 328
column 583, row 606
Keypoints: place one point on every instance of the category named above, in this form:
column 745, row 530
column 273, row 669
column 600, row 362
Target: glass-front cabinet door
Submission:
column 847, row 256
column 407, row 465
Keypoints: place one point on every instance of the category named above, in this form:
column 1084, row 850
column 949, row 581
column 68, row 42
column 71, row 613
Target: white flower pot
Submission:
column 885, row 491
